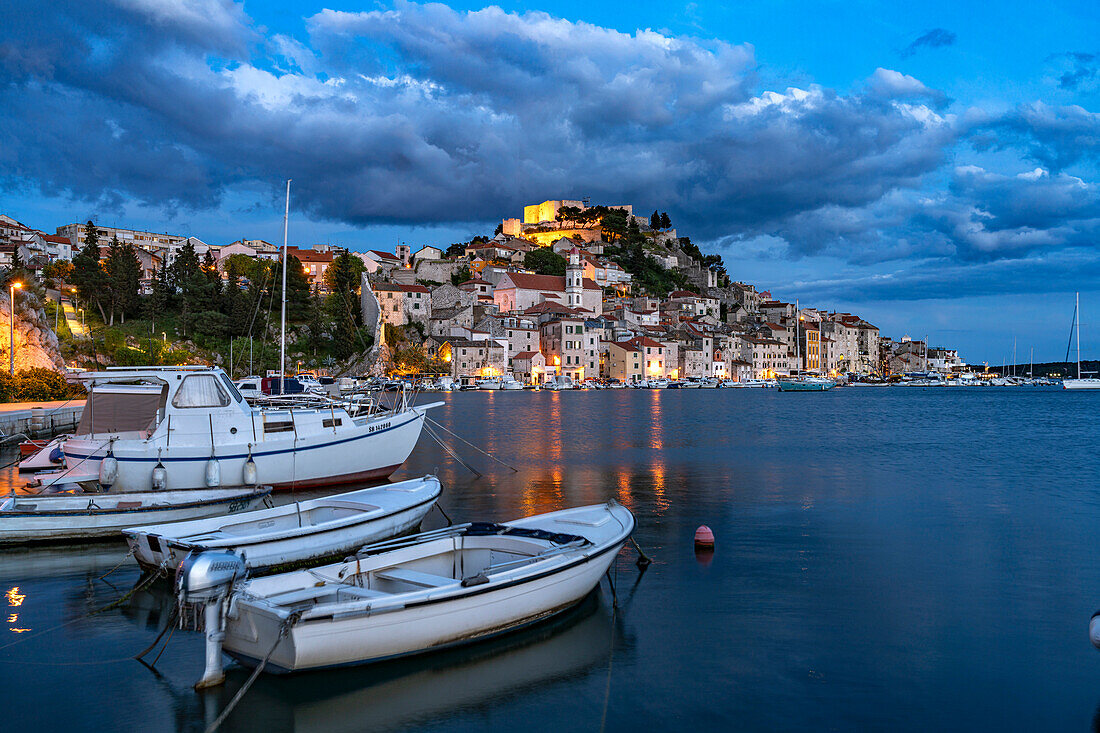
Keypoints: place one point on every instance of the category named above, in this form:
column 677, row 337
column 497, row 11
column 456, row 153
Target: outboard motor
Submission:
column 208, row 578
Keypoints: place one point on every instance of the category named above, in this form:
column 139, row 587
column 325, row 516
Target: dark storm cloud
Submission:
column 422, row 114
column 935, row 38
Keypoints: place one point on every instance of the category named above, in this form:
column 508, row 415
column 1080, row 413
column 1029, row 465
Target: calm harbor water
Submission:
column 890, row 559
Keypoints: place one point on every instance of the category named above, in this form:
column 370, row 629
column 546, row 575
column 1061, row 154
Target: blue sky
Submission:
column 931, row 166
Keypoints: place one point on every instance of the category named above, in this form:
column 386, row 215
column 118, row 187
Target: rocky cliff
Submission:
column 35, row 342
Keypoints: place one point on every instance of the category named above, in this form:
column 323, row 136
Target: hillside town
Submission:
column 571, row 289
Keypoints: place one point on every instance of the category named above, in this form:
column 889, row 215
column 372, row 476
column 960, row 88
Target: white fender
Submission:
column 213, row 473
column 249, row 476
column 160, row 477
column 108, row 471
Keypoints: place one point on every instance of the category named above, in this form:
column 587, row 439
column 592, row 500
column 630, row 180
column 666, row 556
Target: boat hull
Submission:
column 433, row 627
column 409, row 502
column 1087, row 383
column 107, row 515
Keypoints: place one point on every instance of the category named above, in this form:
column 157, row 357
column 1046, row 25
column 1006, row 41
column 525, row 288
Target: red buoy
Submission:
column 704, row 537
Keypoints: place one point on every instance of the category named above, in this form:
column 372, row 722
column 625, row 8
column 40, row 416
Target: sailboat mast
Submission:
column 282, row 338
column 1077, row 311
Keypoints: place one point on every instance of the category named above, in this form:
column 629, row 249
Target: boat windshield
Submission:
column 122, row 408
column 200, row 390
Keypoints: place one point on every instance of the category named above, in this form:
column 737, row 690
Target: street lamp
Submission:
column 82, row 318
column 11, row 332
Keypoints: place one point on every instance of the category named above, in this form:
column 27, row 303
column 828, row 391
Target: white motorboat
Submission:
column 50, row 456
column 189, row 428
column 510, row 382
column 806, row 384
column 74, row 516
column 559, row 382
column 292, row 534
column 426, row 592
column 488, row 383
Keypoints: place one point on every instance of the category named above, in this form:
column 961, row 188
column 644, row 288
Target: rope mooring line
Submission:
column 479, row 450
column 284, row 630
column 450, row 451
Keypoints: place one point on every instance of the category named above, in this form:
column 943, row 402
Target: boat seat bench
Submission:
column 413, row 577
column 302, row 595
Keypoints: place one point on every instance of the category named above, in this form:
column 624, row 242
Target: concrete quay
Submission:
column 39, row 418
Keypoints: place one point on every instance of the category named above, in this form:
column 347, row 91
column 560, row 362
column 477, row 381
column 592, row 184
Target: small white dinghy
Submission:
column 421, row 593
column 77, row 516
column 296, row 533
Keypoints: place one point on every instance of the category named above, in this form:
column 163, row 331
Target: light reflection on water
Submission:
column 902, row 559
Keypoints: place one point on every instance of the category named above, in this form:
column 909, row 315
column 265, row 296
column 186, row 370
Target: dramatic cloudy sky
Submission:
column 932, row 166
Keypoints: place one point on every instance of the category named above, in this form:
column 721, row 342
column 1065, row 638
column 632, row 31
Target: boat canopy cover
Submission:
column 484, row 529
column 117, row 408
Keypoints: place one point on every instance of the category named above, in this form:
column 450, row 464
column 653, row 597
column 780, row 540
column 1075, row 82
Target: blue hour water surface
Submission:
column 901, row 559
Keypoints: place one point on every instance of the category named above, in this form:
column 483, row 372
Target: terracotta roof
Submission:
column 56, row 239
column 384, row 255
column 526, row 355
column 552, row 307
column 545, row 282
column 309, row 255
column 683, row 294
column 627, row 345
column 413, row 288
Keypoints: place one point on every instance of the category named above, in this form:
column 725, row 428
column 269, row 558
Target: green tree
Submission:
column 655, row 221
column 458, row 249
column 568, row 215
column 88, row 275
column 345, row 273
column 57, row 272
column 544, row 261
column 240, row 266
column 463, row 274
column 614, row 224
column 157, row 301
column 666, row 223
column 122, row 273
column 297, row 290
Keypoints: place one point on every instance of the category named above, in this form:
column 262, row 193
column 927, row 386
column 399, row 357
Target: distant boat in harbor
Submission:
column 1079, row 383
column 805, row 384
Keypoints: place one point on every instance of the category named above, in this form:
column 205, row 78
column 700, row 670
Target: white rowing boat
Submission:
column 296, row 533
column 426, row 592
column 60, row 517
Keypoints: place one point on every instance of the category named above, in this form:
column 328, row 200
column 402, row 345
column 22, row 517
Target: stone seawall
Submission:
column 39, row 419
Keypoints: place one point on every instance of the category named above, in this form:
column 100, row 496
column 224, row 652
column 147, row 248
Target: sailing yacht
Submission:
column 1079, row 383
